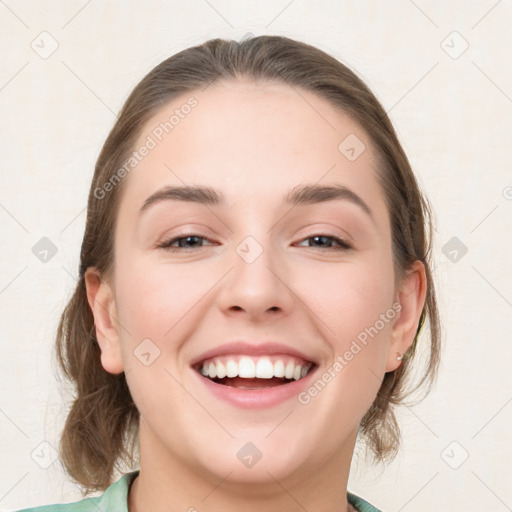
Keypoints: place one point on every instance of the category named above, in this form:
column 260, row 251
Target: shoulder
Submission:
column 114, row 499
column 360, row 504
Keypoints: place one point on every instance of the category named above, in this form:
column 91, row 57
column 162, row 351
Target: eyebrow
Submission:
column 300, row 195
column 311, row 194
column 194, row 194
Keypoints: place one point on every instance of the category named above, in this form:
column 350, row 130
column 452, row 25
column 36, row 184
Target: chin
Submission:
column 257, row 457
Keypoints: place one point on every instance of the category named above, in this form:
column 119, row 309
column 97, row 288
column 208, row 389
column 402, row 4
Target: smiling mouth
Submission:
column 245, row 372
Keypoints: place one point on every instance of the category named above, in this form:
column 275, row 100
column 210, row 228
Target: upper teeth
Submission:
column 250, row 368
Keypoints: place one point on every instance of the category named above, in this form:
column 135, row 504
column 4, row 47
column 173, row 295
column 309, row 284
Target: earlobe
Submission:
column 411, row 296
column 101, row 299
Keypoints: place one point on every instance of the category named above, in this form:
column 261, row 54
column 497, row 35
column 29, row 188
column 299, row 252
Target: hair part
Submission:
column 101, row 430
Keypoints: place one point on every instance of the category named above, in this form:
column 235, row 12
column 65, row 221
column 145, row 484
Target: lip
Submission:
column 250, row 349
column 254, row 398
column 257, row 398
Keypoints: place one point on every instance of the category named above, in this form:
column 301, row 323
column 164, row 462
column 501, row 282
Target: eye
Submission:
column 327, row 242
column 186, row 242
column 193, row 241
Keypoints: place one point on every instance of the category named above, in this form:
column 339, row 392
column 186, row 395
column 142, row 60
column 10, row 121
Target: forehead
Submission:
column 253, row 140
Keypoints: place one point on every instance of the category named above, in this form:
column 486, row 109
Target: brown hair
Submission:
column 101, row 429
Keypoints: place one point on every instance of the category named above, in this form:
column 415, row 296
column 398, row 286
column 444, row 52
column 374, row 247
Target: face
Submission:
column 257, row 308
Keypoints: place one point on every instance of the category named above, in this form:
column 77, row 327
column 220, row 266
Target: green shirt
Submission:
column 115, row 499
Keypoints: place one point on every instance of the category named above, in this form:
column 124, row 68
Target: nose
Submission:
column 258, row 288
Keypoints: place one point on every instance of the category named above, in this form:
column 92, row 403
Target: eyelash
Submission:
column 343, row 245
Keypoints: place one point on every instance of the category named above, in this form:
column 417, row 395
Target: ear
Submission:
column 101, row 300
column 411, row 296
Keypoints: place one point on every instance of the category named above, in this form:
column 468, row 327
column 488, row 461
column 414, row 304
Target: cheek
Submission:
column 154, row 300
column 348, row 298
column 354, row 308
column 154, row 303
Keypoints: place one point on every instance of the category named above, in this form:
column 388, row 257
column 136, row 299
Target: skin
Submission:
column 254, row 143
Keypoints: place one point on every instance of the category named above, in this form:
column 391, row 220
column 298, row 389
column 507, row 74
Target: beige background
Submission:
column 452, row 108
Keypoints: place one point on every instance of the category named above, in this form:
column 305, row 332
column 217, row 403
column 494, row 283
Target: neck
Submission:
column 166, row 483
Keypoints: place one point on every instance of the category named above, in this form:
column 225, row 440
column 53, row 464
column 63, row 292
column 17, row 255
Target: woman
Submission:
column 254, row 278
